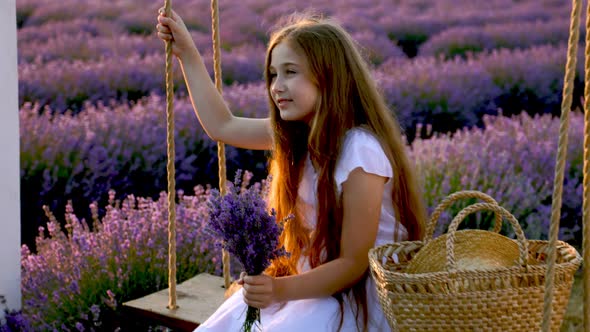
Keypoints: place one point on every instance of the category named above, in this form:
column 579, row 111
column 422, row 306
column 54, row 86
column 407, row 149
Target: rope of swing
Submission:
column 568, row 88
column 171, row 154
column 586, row 180
column 171, row 172
column 220, row 145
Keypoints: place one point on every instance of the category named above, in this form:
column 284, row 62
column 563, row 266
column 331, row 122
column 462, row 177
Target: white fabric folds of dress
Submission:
column 361, row 149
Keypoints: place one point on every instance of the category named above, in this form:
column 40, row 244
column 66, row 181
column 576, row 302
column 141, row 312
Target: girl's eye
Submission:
column 290, row 71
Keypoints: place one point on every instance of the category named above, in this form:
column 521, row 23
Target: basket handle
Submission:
column 521, row 240
column 449, row 200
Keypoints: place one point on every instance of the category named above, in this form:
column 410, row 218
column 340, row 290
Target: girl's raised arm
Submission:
column 214, row 115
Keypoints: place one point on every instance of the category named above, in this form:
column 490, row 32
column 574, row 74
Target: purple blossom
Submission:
column 241, row 221
column 14, row 321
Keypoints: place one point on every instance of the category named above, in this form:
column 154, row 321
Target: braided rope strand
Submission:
column 568, row 89
column 171, row 172
column 220, row 146
column 586, row 180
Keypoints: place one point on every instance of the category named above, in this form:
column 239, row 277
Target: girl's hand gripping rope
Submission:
column 173, row 29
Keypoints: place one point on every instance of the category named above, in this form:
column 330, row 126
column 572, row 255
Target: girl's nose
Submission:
column 277, row 86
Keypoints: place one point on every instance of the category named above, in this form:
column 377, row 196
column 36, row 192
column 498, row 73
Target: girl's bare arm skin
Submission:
column 361, row 202
column 215, row 117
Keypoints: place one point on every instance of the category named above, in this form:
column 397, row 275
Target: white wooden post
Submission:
column 9, row 160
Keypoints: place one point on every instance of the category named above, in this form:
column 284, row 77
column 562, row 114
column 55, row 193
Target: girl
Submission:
column 338, row 164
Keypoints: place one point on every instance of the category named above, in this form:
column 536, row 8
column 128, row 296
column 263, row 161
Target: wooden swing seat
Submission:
column 197, row 299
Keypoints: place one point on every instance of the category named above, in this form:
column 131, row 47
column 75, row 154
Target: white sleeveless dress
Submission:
column 361, row 149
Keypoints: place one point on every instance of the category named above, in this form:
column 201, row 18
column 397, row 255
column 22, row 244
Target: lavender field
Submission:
column 476, row 85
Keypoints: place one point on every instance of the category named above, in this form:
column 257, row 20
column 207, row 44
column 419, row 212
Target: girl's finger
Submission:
column 255, row 280
column 162, row 11
column 173, row 15
column 241, row 280
column 163, row 29
column 164, row 36
column 254, row 289
column 170, row 23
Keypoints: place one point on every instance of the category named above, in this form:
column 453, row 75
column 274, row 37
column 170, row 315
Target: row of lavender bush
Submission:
column 465, row 39
column 123, row 147
column 443, row 12
column 78, row 275
column 423, row 89
column 81, row 41
column 64, row 84
column 70, row 55
column 117, row 147
column 95, row 39
column 65, row 71
column 512, row 160
column 457, row 93
column 407, row 22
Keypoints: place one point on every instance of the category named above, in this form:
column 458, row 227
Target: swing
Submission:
column 200, row 296
column 527, row 291
column 193, row 301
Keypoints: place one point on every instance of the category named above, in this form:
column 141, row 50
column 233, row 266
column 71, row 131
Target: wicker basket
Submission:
column 507, row 298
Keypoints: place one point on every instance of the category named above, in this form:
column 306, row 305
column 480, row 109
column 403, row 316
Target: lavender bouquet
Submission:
column 240, row 219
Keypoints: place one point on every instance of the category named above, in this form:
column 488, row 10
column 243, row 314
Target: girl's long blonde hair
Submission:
column 348, row 98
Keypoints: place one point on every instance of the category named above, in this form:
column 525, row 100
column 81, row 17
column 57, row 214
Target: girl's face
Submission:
column 291, row 88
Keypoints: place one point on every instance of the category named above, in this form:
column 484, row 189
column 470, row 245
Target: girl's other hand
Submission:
column 259, row 290
column 173, row 29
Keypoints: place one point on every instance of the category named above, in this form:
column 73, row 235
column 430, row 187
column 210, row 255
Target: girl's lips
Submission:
column 283, row 102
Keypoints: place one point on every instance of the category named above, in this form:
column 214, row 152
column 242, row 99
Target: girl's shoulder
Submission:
column 362, row 149
column 360, row 135
column 358, row 138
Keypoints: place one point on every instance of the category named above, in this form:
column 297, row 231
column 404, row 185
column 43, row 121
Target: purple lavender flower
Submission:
column 240, row 219
column 13, row 320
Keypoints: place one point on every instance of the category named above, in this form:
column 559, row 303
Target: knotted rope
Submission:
column 171, row 172
column 220, row 145
column 568, row 90
column 586, row 179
